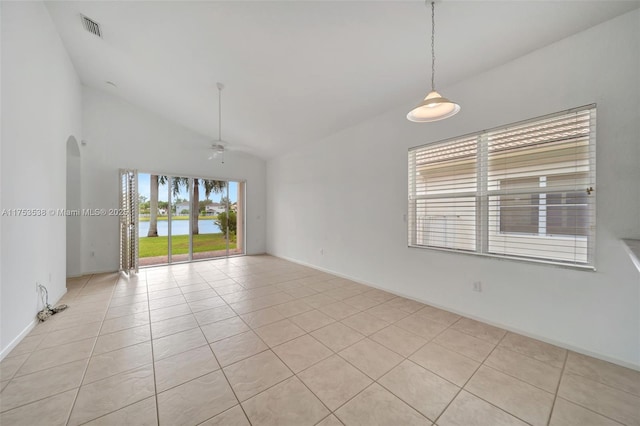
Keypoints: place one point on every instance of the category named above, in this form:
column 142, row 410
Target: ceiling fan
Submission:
column 217, row 150
column 218, row 147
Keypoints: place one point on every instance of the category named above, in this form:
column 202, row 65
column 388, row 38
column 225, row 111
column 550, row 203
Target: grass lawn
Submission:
column 157, row 246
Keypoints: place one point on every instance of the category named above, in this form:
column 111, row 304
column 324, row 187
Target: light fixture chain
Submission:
column 433, row 50
column 219, row 112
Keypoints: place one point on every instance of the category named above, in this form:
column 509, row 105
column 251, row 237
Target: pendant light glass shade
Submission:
column 433, row 108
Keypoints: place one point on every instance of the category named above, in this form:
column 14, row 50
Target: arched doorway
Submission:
column 74, row 224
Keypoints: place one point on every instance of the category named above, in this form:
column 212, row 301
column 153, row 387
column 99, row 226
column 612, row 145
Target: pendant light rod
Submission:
column 433, row 44
column 220, row 87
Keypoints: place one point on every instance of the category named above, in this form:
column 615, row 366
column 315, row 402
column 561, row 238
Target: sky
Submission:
column 144, row 188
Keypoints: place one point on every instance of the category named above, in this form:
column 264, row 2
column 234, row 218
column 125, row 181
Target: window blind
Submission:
column 525, row 191
column 129, row 221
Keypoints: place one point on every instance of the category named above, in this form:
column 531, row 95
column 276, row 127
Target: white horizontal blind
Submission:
column 522, row 191
column 442, row 201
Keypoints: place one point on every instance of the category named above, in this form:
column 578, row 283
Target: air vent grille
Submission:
column 92, row 26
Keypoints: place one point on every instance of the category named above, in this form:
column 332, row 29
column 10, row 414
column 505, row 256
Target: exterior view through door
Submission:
column 188, row 218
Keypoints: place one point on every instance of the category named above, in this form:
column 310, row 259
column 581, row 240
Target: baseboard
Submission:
column 18, row 339
column 105, row 271
column 26, row 331
column 493, row 323
column 629, row 245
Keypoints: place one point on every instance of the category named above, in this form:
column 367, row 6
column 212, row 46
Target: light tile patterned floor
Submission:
column 261, row 341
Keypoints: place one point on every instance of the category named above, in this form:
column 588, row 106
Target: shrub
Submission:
column 221, row 221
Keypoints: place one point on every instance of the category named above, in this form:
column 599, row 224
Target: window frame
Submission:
column 485, row 196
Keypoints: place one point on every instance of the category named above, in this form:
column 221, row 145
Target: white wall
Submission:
column 74, row 202
column 41, row 108
column 121, row 135
column 347, row 195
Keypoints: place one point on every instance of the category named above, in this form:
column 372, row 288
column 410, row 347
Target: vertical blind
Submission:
column 128, row 221
column 525, row 191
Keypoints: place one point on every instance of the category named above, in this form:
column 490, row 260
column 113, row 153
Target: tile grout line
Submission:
column 336, row 353
column 250, row 327
column 274, row 285
column 523, row 380
column 555, row 396
column 483, row 362
column 577, row 403
column 150, row 342
column 426, row 369
column 468, row 380
column 604, row 384
column 86, row 368
column 269, row 348
column 221, row 368
column 496, row 406
column 592, row 411
column 296, row 374
column 153, row 358
column 373, row 381
column 326, row 417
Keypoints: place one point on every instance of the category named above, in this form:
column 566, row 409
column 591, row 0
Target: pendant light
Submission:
column 434, row 107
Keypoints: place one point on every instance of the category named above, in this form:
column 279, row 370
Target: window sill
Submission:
column 531, row 261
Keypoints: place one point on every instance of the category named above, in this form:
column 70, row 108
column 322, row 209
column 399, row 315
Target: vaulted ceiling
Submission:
column 297, row 71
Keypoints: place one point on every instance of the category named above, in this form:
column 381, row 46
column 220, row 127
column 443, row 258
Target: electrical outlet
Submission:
column 477, row 286
column 321, row 252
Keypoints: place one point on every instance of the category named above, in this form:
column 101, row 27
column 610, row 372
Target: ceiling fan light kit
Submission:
column 434, row 107
column 217, row 150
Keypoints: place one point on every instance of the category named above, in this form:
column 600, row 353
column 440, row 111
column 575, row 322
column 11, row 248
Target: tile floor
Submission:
column 261, row 341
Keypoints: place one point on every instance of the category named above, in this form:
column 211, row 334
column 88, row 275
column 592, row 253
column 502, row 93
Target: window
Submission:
column 521, row 191
column 545, row 214
column 520, row 214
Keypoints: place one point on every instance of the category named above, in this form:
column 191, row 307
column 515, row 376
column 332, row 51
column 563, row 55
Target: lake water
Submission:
column 179, row 227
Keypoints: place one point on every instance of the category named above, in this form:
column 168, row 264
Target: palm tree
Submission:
column 153, row 207
column 210, row 186
column 154, row 182
column 215, row 186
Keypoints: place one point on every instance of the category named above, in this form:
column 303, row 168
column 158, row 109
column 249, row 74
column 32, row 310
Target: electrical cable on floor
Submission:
column 47, row 310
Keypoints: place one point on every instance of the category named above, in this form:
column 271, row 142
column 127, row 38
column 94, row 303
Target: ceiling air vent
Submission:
column 90, row 25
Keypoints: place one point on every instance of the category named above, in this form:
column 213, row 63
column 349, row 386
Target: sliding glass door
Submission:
column 221, row 211
column 189, row 218
column 235, row 208
column 207, row 237
column 153, row 220
column 180, row 218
